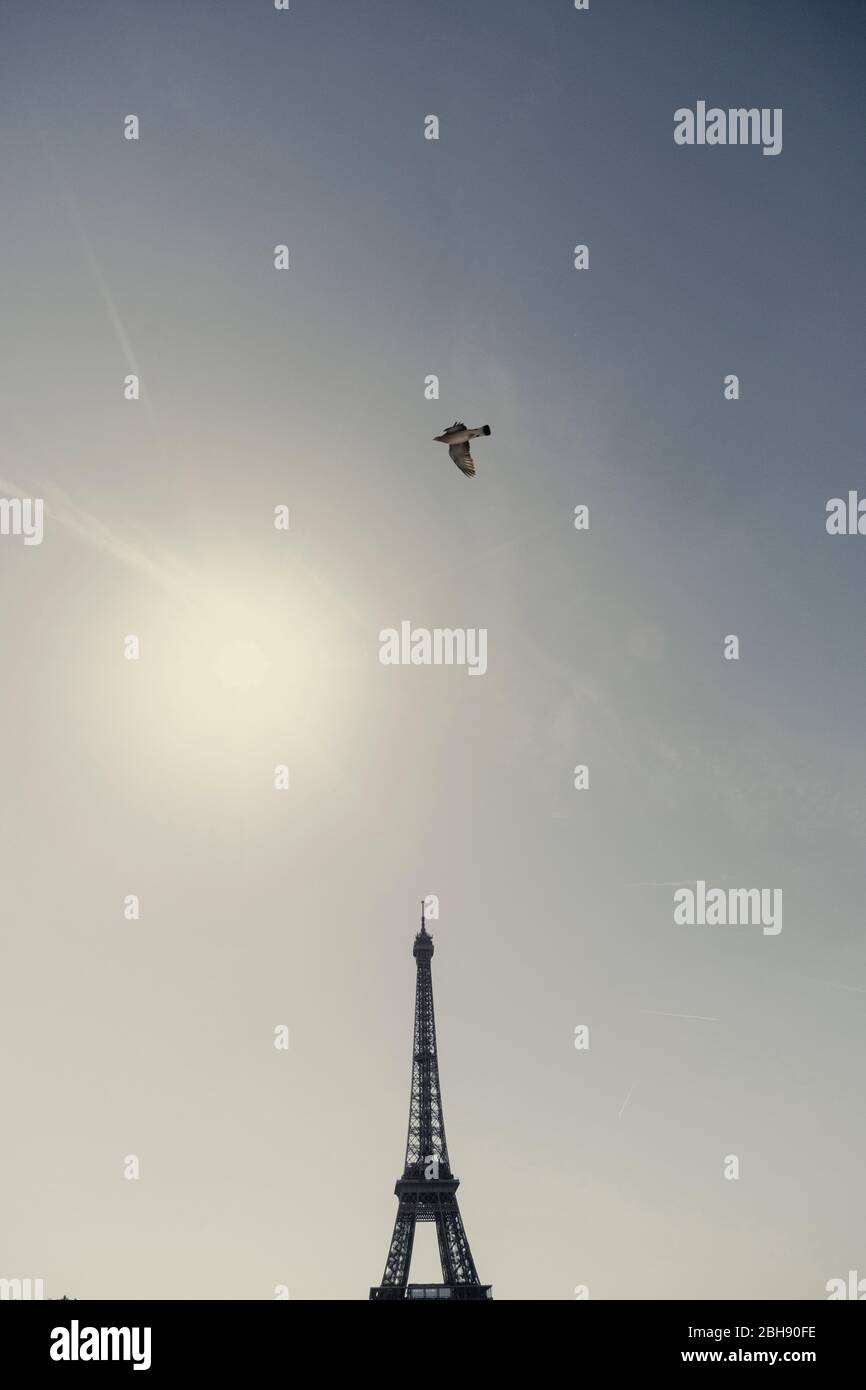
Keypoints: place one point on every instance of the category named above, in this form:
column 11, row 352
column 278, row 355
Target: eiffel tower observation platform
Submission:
column 438, row 1291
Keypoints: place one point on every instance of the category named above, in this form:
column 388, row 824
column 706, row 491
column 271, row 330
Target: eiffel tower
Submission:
column 427, row 1190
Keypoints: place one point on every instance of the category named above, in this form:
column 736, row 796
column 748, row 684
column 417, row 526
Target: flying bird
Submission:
column 457, row 437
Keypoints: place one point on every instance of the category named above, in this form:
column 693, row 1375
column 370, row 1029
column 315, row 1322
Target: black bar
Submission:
column 226, row 1338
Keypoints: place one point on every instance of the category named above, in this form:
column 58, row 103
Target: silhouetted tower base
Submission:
column 427, row 1190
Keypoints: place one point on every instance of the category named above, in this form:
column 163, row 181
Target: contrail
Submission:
column 171, row 575
column 702, row 1018
column 68, row 197
column 675, row 882
column 626, row 1101
column 664, row 883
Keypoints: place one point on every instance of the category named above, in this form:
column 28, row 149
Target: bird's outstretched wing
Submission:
column 462, row 457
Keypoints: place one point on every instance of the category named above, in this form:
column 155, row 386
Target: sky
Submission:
column 600, row 1168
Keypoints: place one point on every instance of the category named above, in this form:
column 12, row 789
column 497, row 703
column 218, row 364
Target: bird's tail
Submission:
column 485, row 429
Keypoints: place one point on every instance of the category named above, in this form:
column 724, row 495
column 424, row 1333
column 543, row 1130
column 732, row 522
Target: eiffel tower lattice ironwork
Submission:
column 427, row 1190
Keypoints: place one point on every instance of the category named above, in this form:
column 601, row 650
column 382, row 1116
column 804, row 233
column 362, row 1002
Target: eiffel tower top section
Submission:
column 426, row 1138
column 423, row 948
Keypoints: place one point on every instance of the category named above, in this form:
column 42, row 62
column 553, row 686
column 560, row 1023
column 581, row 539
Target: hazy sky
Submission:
column 258, row 647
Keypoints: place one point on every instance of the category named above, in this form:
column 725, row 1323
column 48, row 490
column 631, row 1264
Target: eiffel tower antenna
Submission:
column 427, row 1190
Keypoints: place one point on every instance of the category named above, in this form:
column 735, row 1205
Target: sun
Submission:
column 241, row 665
column 233, row 680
